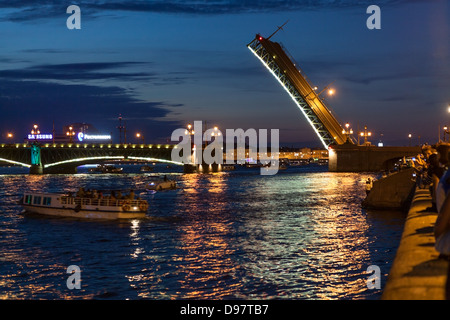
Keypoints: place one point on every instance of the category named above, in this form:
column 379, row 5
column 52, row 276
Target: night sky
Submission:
column 162, row 64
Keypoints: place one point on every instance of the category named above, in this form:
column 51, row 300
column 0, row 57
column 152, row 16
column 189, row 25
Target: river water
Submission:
column 300, row 234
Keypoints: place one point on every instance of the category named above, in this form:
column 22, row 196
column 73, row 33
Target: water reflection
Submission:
column 299, row 235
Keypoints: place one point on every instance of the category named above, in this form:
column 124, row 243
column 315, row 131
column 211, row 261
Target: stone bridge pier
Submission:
column 354, row 158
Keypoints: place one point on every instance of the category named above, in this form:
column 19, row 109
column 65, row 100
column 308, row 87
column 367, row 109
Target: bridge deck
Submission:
column 319, row 116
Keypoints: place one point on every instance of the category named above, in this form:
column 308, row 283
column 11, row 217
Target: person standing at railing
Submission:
column 80, row 192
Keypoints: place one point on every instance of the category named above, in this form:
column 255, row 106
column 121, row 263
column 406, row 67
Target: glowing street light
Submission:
column 190, row 131
column 35, row 131
column 347, row 131
column 329, row 90
column 70, row 133
column 216, row 132
column 141, row 136
column 365, row 134
column 410, row 136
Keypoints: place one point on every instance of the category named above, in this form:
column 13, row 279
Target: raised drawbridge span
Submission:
column 344, row 154
column 275, row 59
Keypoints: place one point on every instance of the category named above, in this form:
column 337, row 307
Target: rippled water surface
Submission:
column 300, row 234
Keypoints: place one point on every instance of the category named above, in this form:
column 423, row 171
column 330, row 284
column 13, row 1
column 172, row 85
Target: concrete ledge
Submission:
column 417, row 272
column 391, row 192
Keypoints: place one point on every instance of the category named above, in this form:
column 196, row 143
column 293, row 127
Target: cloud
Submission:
column 77, row 71
column 27, row 102
column 27, row 10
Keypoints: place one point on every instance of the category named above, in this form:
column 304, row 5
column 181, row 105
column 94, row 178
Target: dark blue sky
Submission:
column 162, row 64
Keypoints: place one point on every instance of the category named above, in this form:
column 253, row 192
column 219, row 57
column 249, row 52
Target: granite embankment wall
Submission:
column 418, row 273
column 392, row 192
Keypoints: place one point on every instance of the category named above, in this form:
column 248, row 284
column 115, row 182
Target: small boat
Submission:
column 111, row 169
column 66, row 205
column 300, row 162
column 146, row 169
column 228, row 167
column 160, row 185
column 106, row 168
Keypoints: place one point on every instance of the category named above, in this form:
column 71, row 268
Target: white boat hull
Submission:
column 87, row 214
column 164, row 185
column 64, row 206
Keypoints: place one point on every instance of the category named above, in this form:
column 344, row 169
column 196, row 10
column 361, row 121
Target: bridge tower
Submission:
column 274, row 58
column 36, row 162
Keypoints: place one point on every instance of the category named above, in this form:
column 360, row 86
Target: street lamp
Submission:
column 35, row 131
column 347, row 131
column 216, row 132
column 330, row 91
column 139, row 135
column 366, row 134
column 70, row 134
column 410, row 136
column 445, row 131
column 190, row 130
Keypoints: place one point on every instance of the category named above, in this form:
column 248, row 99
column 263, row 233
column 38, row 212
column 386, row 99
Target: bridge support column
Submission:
column 353, row 158
column 202, row 168
column 36, row 169
column 36, row 164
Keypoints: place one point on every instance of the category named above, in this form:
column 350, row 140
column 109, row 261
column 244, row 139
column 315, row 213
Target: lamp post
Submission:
column 347, row 131
column 365, row 135
column 141, row 136
column 190, row 132
column 216, row 132
column 410, row 136
column 70, row 134
column 35, row 131
column 445, row 131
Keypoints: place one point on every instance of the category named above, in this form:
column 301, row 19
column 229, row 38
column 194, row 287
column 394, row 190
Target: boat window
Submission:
column 28, row 199
column 37, row 200
column 47, row 201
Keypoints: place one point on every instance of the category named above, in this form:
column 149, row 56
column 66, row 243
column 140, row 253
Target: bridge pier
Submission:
column 36, row 169
column 354, row 158
column 202, row 168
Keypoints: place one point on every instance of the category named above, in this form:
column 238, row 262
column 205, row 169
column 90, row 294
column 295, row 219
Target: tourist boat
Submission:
column 163, row 184
column 228, row 167
column 106, row 168
column 66, row 205
column 146, row 169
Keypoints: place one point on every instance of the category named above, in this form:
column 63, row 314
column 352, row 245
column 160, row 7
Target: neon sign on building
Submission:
column 83, row 136
column 40, row 137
